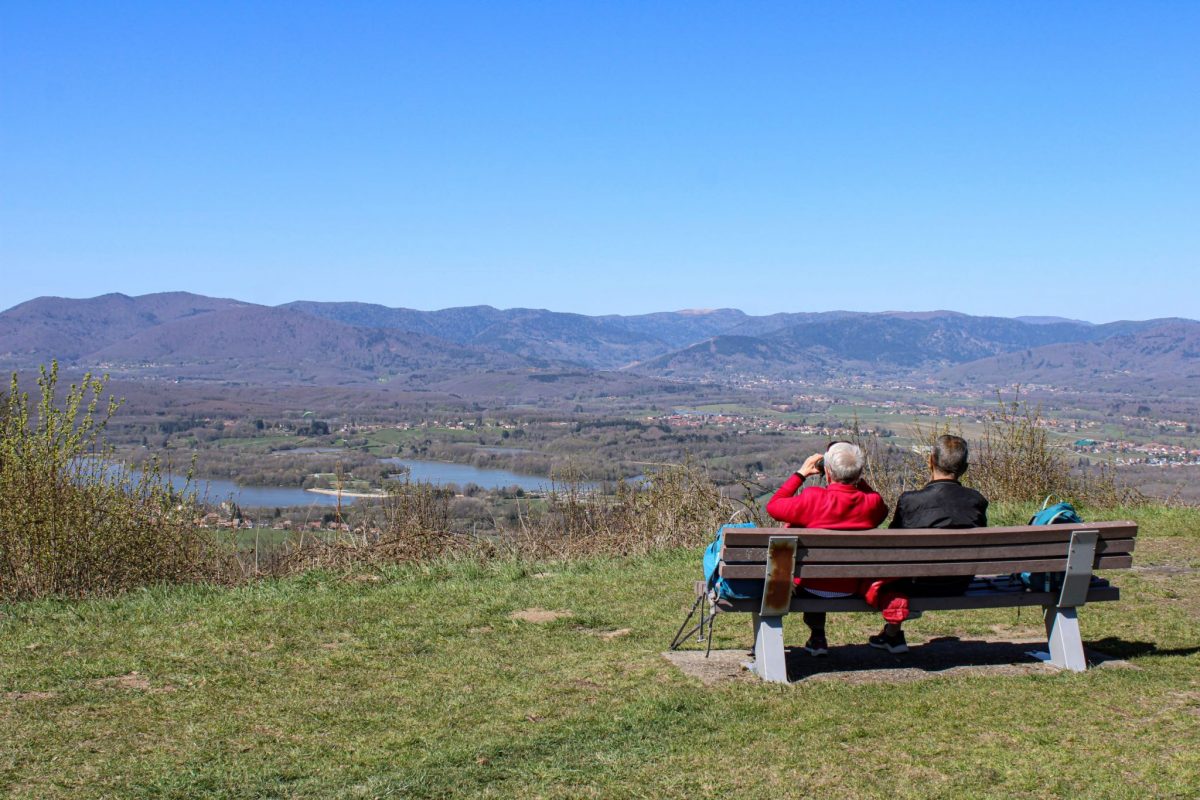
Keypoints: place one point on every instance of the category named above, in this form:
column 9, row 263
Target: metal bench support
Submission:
column 1062, row 625
column 770, row 662
column 1062, row 633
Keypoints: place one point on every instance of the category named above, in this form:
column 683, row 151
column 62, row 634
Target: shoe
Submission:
column 893, row 644
column 817, row 646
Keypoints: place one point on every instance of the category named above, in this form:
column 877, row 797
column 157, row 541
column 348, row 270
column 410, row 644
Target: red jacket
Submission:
column 838, row 507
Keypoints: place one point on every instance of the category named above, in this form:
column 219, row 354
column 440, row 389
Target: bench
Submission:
column 776, row 555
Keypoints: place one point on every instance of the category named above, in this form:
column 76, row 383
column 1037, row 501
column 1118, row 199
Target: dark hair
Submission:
column 950, row 455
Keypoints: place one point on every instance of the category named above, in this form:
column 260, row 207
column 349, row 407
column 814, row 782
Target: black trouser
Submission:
column 815, row 620
column 941, row 586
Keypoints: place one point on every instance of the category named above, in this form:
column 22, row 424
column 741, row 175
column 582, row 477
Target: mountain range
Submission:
column 180, row 335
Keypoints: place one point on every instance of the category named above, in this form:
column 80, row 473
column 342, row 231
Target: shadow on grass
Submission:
column 1120, row 648
column 944, row 654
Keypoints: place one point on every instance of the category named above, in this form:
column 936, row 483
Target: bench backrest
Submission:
column 882, row 553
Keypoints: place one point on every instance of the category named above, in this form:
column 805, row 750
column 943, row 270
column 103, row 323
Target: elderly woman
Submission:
column 847, row 503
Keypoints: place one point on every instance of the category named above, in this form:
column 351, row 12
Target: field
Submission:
column 431, row 682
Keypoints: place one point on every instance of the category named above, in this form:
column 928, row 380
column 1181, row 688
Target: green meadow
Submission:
column 428, row 681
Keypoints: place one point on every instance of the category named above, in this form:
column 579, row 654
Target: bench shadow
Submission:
column 951, row 653
column 1121, row 648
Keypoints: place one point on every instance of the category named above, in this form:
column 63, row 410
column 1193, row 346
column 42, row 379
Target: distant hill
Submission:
column 609, row 342
column 840, row 342
column 258, row 341
column 57, row 327
column 1049, row 320
column 727, row 356
column 1161, row 359
column 679, row 328
column 178, row 334
column 526, row 351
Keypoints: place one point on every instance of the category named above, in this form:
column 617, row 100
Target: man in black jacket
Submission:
column 943, row 503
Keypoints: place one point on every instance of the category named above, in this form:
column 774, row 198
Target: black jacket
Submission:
column 941, row 504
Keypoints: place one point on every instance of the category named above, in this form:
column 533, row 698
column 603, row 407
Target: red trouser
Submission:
column 884, row 596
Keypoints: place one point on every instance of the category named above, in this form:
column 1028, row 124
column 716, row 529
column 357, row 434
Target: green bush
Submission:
column 72, row 522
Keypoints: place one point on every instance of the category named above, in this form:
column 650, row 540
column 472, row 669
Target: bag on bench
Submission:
column 737, row 588
column 1059, row 513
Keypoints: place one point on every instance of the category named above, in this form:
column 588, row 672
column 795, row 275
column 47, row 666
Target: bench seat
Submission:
column 994, row 592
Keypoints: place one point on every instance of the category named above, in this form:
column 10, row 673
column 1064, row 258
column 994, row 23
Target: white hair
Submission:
column 845, row 462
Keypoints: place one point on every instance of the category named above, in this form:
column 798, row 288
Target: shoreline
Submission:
column 347, row 494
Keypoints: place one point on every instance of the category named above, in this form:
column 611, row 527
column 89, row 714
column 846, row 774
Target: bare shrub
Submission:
column 890, row 470
column 416, row 527
column 1016, row 460
column 71, row 522
column 672, row 506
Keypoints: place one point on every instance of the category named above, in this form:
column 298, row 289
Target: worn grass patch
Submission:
column 428, row 682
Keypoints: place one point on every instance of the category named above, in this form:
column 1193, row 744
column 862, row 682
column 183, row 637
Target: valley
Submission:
column 322, row 396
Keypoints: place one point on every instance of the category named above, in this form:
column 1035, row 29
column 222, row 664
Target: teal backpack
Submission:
column 736, row 589
column 1057, row 514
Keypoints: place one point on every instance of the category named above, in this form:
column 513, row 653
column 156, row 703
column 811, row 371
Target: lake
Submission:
column 445, row 472
column 218, row 490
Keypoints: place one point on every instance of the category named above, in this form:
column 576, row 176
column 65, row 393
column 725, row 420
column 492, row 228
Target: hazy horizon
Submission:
column 913, row 311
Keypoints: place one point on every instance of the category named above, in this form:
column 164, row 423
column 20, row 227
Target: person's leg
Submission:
column 891, row 638
column 891, row 598
column 817, row 643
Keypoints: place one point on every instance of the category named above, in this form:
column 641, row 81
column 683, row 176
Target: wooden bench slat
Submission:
column 919, row 569
column 928, row 537
column 926, row 568
column 758, row 555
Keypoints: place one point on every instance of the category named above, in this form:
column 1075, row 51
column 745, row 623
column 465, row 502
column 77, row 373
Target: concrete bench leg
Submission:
column 770, row 662
column 1062, row 634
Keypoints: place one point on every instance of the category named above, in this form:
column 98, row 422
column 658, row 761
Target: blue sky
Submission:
column 993, row 158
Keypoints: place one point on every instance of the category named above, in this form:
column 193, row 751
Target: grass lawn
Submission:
column 418, row 682
column 246, row 539
column 259, row 444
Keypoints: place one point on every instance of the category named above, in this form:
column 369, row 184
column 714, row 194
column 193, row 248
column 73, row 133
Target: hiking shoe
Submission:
column 817, row 646
column 893, row 644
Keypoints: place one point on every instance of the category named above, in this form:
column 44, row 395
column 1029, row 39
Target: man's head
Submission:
column 844, row 462
column 949, row 456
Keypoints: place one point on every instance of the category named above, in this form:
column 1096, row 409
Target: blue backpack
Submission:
column 1057, row 514
column 1063, row 513
column 737, row 588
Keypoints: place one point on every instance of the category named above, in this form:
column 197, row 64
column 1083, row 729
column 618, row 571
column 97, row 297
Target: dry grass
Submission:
column 674, row 506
